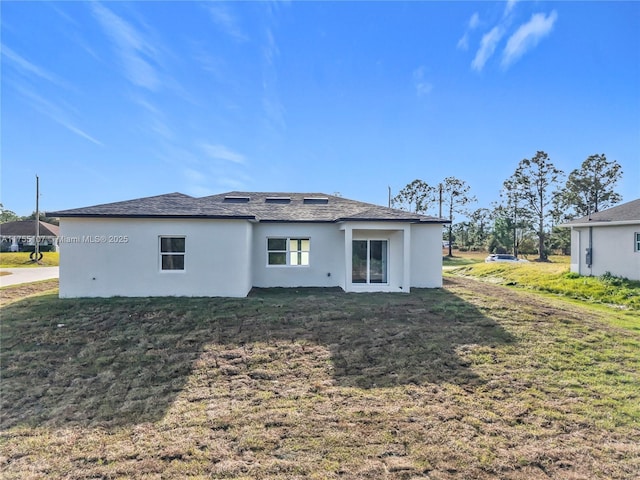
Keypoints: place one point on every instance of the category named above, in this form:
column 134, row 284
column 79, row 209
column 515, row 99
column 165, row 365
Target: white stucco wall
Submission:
column 217, row 258
column 396, row 265
column 426, row 256
column 613, row 251
column 120, row 257
column 326, row 256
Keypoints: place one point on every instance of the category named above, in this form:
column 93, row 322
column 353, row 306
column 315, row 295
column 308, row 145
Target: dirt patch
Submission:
column 469, row 381
column 13, row 293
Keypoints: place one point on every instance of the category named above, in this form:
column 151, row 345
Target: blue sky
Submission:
column 112, row 101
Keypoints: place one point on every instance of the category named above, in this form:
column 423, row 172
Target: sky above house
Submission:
column 119, row 100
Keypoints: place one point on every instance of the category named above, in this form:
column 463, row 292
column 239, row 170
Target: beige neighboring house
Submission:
column 226, row 244
column 607, row 241
column 19, row 236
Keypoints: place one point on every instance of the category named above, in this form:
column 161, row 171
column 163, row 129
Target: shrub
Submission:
column 610, row 279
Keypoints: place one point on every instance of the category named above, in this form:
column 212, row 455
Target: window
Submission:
column 315, row 200
column 288, row 251
column 637, row 242
column 172, row 250
column 278, row 200
column 369, row 261
column 235, row 199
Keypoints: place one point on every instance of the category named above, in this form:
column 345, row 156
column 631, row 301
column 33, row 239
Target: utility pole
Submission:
column 37, row 242
column 389, row 196
column 515, row 225
column 440, row 201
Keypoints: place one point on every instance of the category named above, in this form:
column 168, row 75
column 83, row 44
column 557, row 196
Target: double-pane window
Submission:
column 172, row 251
column 288, row 251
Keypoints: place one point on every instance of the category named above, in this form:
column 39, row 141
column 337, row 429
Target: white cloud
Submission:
column 423, row 87
column 528, row 36
column 26, row 67
column 199, row 191
column 220, row 152
column 273, row 108
column 474, row 21
column 230, row 183
column 135, row 52
column 55, row 113
column 488, row 45
column 156, row 119
column 223, row 18
column 509, row 7
column 77, row 131
column 463, row 43
column 194, row 176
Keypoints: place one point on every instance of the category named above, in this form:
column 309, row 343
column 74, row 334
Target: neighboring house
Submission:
column 223, row 245
column 19, row 236
column 607, row 241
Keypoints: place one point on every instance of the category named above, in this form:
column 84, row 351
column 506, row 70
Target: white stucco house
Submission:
column 226, row 244
column 607, row 241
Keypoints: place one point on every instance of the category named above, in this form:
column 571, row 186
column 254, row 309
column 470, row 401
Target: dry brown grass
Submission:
column 14, row 293
column 471, row 381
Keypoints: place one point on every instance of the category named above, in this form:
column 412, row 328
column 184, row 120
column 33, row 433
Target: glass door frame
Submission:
column 384, row 259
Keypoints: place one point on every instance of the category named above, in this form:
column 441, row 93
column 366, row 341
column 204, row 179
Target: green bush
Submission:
column 610, row 279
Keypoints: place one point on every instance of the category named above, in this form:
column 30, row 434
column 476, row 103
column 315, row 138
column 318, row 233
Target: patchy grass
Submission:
column 555, row 278
column 13, row 293
column 462, row 258
column 21, row 259
column 470, row 258
column 470, row 381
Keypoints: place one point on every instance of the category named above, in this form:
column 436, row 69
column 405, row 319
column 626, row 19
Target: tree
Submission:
column 415, row 197
column 534, row 181
column 509, row 228
column 515, row 210
column 7, row 215
column 461, row 235
column 590, row 188
column 455, row 196
column 479, row 227
column 43, row 218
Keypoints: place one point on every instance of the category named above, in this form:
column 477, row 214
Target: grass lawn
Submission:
column 470, row 258
column 555, row 278
column 21, row 259
column 462, row 258
column 470, row 381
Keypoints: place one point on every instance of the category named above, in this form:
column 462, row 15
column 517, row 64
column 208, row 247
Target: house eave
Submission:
column 394, row 220
column 600, row 223
column 149, row 216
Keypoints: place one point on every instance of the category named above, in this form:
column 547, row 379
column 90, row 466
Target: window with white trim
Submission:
column 172, row 252
column 293, row 252
column 637, row 242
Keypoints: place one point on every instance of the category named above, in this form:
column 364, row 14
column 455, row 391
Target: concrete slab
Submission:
column 27, row 275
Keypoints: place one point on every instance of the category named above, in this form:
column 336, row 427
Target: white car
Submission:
column 502, row 257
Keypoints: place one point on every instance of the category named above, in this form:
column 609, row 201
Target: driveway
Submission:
column 26, row 275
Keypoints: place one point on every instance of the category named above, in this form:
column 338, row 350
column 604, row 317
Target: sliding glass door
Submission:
column 369, row 261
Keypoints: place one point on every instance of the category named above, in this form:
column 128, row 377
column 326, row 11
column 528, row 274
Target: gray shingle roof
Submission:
column 259, row 206
column 26, row 228
column 625, row 212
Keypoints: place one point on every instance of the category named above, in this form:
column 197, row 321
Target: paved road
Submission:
column 26, row 275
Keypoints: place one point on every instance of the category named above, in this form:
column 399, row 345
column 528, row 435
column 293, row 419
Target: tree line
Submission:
column 533, row 201
column 7, row 215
